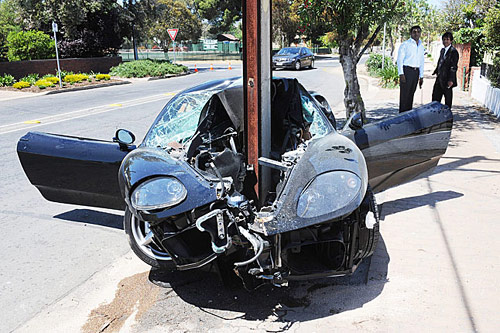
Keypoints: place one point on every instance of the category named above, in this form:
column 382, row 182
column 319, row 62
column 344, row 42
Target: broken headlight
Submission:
column 157, row 193
column 327, row 193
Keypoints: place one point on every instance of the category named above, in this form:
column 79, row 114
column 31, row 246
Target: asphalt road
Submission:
column 49, row 249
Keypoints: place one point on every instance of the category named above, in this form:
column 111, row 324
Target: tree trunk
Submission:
column 353, row 101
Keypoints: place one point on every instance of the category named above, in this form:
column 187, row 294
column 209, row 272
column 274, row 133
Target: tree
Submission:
column 86, row 27
column 30, row 45
column 285, row 21
column 173, row 14
column 351, row 19
column 492, row 27
column 9, row 22
column 221, row 14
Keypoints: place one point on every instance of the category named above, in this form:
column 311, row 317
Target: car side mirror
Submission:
column 124, row 138
column 356, row 121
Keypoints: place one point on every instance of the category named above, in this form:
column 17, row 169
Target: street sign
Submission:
column 172, row 33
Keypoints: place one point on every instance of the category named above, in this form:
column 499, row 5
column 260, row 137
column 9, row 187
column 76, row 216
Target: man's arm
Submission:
column 401, row 56
column 452, row 75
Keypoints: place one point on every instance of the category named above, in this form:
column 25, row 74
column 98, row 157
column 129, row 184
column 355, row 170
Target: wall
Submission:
column 482, row 91
column 464, row 61
column 19, row 69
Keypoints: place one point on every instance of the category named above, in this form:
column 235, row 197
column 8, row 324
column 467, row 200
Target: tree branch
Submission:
column 374, row 35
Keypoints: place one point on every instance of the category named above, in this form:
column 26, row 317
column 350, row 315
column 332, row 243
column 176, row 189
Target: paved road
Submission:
column 49, row 249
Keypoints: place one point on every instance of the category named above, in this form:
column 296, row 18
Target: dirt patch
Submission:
column 67, row 86
column 134, row 294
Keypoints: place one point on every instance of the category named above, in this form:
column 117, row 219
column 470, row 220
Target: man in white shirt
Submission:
column 410, row 68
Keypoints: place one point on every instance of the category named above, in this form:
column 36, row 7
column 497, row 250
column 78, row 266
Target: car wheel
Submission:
column 143, row 244
column 297, row 65
column 312, row 64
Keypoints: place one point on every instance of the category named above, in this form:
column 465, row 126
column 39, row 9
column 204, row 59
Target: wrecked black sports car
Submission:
column 188, row 191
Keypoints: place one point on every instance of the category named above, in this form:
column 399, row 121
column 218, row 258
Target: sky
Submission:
column 435, row 3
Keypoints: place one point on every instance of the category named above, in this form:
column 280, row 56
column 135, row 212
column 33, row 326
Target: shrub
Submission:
column 30, row 78
column 51, row 79
column 43, row 83
column 6, row 80
column 143, row 68
column 100, row 77
column 389, row 76
column 494, row 76
column 374, row 63
column 21, row 85
column 29, row 45
column 75, row 78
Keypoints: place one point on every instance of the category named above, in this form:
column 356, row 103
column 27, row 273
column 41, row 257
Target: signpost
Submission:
column 54, row 29
column 173, row 33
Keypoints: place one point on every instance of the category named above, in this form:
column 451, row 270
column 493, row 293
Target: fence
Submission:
column 128, row 55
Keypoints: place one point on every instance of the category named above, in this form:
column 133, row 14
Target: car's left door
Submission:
column 73, row 170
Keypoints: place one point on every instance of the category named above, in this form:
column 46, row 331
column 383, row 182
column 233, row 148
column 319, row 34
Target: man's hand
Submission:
column 420, row 82
column 402, row 78
column 450, row 84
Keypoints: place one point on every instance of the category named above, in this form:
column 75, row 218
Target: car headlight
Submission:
column 156, row 193
column 327, row 193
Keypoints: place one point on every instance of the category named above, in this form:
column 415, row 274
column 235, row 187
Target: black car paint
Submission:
column 384, row 153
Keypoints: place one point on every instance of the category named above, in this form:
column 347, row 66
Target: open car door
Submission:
column 73, row 170
column 399, row 148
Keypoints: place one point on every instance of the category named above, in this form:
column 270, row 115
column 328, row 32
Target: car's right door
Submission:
column 399, row 148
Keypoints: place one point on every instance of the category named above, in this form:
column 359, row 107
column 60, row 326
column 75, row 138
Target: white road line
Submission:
column 5, row 129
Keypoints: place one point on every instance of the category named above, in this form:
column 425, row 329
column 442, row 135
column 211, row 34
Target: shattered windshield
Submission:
column 179, row 119
column 313, row 115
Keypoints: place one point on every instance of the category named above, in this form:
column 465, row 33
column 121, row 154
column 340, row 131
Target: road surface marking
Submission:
column 25, row 125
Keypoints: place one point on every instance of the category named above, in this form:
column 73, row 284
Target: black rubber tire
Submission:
column 147, row 258
column 297, row 65
column 311, row 66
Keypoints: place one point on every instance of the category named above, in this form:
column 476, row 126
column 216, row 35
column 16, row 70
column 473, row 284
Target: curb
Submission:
column 101, row 85
column 168, row 76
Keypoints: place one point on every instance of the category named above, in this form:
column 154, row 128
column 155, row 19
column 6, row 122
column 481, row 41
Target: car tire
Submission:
column 297, row 65
column 151, row 253
column 312, row 64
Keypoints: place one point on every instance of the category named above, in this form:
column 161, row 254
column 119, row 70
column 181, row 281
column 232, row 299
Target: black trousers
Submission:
column 407, row 89
column 438, row 92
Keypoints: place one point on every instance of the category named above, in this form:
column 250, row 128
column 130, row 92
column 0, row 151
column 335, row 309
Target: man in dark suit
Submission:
column 446, row 71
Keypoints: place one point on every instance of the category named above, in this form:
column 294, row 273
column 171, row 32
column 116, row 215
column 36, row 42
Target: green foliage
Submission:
column 474, row 36
column 329, row 40
column 221, row 14
column 100, row 77
column 42, row 83
column 492, row 28
column 144, row 68
column 75, row 78
column 21, row 85
column 30, row 45
column 495, row 72
column 9, row 22
column 389, row 75
column 6, row 80
column 51, row 78
column 87, row 28
column 31, row 78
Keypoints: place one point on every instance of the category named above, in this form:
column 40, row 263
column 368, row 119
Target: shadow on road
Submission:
column 90, row 216
column 429, row 199
column 300, row 301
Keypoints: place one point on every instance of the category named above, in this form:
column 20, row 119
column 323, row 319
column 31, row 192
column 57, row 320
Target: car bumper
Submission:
column 283, row 64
